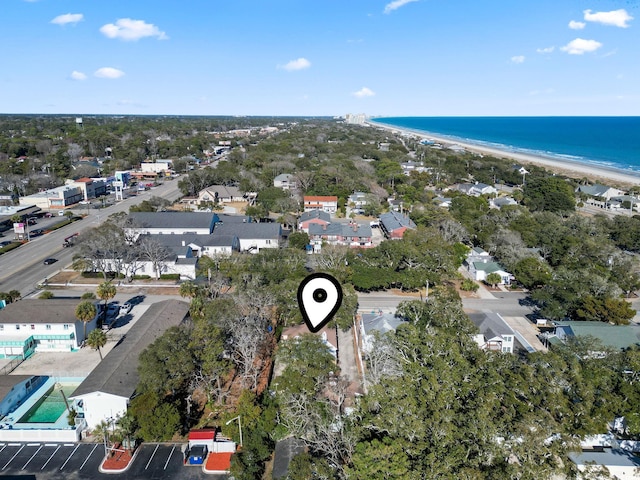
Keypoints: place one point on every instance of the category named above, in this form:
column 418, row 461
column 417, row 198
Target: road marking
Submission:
column 54, row 452
column 152, row 455
column 88, row 456
column 34, row 454
column 170, row 453
column 14, row 456
column 33, row 444
column 71, row 455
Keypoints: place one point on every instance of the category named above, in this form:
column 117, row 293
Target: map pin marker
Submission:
column 319, row 298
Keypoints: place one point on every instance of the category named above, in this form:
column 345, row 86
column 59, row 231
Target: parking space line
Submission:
column 152, row 455
column 170, row 453
column 34, row 454
column 71, row 455
column 14, row 456
column 3, row 447
column 54, row 452
column 88, row 456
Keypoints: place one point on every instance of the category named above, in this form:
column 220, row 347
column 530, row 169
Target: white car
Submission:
column 125, row 308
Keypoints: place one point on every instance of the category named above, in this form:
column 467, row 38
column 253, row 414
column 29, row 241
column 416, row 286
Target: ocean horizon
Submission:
column 610, row 142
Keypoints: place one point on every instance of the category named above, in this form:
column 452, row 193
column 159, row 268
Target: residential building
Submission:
column 285, row 181
column 394, row 224
column 327, row 204
column 495, row 334
column 357, row 201
column 481, row 269
column 500, row 202
column 619, row 464
column 376, row 322
column 352, row 235
column 106, row 392
column 619, row 337
column 600, row 191
column 317, row 217
column 221, row 194
column 252, row 236
column 476, row 189
column 35, row 325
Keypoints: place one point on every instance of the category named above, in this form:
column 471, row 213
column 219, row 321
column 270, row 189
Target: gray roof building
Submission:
column 313, row 214
column 117, row 374
column 174, row 220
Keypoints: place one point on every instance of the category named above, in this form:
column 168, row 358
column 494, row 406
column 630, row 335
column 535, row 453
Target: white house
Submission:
column 619, row 464
column 252, row 236
column 104, row 395
column 481, row 269
column 376, row 322
column 32, row 325
column 327, row 204
column 285, row 181
column 221, row 194
column 495, row 334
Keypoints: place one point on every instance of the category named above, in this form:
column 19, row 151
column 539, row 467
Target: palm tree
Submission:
column 96, row 340
column 106, row 291
column 85, row 312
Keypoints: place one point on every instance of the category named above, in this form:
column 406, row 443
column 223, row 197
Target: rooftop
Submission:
column 117, row 374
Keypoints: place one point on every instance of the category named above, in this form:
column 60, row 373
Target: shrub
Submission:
column 170, row 276
column 469, row 285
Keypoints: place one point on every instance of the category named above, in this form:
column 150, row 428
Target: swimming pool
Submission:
column 49, row 407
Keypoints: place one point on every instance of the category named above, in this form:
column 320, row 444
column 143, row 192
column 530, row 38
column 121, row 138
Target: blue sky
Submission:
column 329, row 57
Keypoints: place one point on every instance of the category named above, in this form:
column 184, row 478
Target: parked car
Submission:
column 36, row 232
column 48, row 215
column 5, row 243
column 49, row 261
column 125, row 308
column 32, row 221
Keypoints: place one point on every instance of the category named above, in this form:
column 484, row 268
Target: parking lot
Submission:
column 54, row 461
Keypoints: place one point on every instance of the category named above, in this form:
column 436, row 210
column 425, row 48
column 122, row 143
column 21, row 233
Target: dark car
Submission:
column 36, row 232
column 49, row 261
column 5, row 243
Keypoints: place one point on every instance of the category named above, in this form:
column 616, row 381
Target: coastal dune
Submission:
column 568, row 168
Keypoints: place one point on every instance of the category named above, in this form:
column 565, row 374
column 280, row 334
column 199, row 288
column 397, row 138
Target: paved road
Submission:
column 22, row 268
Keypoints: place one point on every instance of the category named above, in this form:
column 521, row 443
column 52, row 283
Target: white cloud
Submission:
column 396, row 4
column 574, row 25
column 614, row 18
column 298, row 64
column 364, row 92
column 68, row 18
column 108, row 72
column 546, row 50
column 75, row 75
column 580, row 46
column 518, row 59
column 131, row 30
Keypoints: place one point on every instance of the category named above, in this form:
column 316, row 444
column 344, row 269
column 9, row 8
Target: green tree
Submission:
column 85, row 312
column 96, row 340
column 46, row 295
column 552, row 194
column 532, row 273
column 605, row 309
column 299, row 240
column 493, row 279
column 105, row 291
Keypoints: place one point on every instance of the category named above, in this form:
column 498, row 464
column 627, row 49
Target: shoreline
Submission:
column 568, row 168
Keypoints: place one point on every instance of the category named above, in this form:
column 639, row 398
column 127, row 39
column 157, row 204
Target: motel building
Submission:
column 34, row 325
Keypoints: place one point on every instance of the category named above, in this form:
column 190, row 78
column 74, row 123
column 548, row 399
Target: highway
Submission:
column 22, row 268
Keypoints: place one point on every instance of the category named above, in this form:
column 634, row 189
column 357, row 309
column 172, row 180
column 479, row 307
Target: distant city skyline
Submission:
column 310, row 58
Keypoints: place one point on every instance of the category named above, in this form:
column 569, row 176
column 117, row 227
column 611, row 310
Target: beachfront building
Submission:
column 600, row 191
column 35, row 325
column 328, row 203
column 105, row 394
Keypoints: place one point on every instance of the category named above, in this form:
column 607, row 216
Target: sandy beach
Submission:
column 603, row 175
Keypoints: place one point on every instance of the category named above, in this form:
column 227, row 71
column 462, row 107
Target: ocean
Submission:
column 612, row 142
